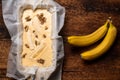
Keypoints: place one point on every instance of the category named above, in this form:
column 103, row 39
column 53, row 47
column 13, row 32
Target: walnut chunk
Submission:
column 42, row 61
column 41, row 15
column 24, row 55
column 28, row 18
column 37, row 43
column 46, row 28
column 33, row 31
column 44, row 36
column 41, row 18
column 26, row 45
column 26, row 28
column 36, row 36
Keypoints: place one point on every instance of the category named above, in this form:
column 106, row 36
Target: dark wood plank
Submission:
column 108, row 60
column 5, row 78
column 88, row 76
column 84, row 17
column 71, row 75
column 4, row 50
column 3, row 30
column 3, row 75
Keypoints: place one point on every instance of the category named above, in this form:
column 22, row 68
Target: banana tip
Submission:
column 109, row 19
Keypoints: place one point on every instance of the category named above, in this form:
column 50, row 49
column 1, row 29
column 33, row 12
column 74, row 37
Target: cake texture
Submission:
column 37, row 42
column 37, row 50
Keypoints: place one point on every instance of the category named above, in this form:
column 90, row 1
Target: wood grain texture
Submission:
column 3, row 30
column 4, row 50
column 82, row 17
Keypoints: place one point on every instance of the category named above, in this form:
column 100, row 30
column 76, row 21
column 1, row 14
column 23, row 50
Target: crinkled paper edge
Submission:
column 14, row 68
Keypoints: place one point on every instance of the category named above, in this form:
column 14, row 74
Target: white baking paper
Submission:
column 12, row 10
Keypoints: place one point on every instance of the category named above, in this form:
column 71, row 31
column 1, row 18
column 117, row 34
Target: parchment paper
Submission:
column 12, row 10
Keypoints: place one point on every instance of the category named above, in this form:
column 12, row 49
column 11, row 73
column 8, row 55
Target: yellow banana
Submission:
column 87, row 40
column 103, row 46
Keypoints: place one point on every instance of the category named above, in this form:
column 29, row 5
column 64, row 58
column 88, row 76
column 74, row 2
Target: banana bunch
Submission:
column 89, row 39
column 108, row 31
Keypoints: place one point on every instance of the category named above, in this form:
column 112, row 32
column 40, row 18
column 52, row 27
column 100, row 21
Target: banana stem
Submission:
column 110, row 19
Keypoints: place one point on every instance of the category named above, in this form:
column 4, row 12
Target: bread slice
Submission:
column 37, row 43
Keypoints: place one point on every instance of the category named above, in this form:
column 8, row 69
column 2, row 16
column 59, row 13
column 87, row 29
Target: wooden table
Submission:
column 82, row 17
